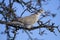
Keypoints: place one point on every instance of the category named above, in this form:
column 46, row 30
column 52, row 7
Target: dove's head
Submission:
column 41, row 11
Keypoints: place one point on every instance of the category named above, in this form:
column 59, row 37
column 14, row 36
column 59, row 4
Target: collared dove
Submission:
column 28, row 21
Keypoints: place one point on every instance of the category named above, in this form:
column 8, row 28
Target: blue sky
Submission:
column 51, row 6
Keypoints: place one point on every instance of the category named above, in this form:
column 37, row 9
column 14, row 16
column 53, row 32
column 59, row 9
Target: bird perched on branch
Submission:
column 28, row 21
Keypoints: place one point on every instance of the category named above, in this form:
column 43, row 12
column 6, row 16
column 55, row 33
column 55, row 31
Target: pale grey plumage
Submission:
column 28, row 21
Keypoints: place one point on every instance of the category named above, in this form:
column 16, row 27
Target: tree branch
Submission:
column 50, row 27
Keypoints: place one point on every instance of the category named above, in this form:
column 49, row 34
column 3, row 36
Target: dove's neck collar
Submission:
column 38, row 13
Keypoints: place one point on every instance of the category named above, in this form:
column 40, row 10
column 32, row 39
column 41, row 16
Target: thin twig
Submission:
column 28, row 34
column 23, row 12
